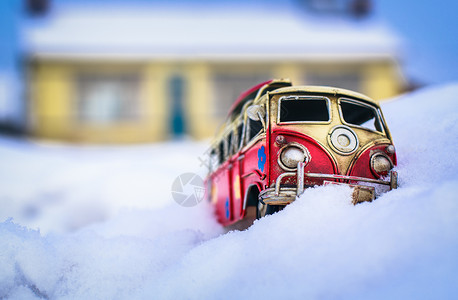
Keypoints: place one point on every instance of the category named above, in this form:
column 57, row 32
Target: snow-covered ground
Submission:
column 62, row 188
column 109, row 228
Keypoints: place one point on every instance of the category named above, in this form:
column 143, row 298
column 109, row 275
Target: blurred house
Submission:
column 111, row 74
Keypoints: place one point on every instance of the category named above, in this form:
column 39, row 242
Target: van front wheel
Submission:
column 266, row 209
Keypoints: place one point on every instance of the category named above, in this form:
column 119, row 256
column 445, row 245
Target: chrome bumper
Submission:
column 284, row 195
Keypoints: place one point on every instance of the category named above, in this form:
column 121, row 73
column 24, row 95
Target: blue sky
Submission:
column 430, row 32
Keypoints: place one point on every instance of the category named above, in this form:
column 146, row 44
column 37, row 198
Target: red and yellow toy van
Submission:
column 280, row 139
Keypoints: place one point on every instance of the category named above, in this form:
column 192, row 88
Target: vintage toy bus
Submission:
column 280, row 139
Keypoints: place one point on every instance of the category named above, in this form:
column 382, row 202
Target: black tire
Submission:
column 266, row 209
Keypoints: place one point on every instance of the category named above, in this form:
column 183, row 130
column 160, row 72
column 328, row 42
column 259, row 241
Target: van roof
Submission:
column 323, row 90
column 247, row 93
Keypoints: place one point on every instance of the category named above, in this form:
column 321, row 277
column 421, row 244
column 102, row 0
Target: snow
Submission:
column 36, row 180
column 190, row 33
column 142, row 245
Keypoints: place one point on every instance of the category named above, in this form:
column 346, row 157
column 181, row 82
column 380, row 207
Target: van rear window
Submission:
column 303, row 110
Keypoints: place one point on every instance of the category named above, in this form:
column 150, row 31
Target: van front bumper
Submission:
column 282, row 195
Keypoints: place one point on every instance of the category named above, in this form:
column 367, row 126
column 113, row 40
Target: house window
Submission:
column 228, row 87
column 105, row 99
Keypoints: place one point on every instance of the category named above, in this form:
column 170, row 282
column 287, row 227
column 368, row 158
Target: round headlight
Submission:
column 390, row 149
column 343, row 140
column 381, row 163
column 291, row 155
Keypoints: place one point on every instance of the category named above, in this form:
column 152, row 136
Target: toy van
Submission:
column 279, row 140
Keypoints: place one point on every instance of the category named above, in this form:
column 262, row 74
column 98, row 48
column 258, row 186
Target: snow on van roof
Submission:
column 213, row 33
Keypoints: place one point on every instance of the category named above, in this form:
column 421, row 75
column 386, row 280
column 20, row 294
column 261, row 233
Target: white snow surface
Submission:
column 109, row 229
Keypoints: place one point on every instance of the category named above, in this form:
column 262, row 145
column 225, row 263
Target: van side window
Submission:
column 254, row 127
column 221, row 152
column 234, row 147
column 239, row 136
column 230, row 138
column 213, row 159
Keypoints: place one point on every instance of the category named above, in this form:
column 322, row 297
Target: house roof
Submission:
column 163, row 33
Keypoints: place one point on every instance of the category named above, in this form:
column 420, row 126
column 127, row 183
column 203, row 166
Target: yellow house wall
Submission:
column 52, row 107
column 383, row 80
column 202, row 97
column 157, row 101
column 196, row 101
column 379, row 79
column 290, row 70
column 53, row 95
column 50, row 104
column 199, row 102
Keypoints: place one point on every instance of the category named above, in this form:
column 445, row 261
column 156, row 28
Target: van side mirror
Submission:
column 257, row 113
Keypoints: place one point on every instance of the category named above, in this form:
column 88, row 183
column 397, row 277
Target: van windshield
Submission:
column 303, row 109
column 360, row 114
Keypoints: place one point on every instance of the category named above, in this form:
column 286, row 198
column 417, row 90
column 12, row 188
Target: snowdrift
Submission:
column 404, row 245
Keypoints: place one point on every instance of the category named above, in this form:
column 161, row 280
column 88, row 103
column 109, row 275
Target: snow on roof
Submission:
column 164, row 32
